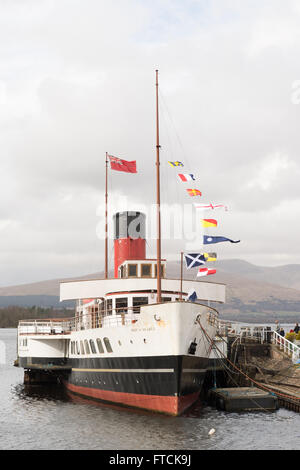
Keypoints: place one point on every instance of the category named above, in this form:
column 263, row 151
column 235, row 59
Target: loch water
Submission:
column 39, row 418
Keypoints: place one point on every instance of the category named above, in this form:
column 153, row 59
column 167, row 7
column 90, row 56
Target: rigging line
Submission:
column 187, row 199
column 164, row 121
column 112, row 208
column 178, row 138
column 149, row 248
column 110, row 258
column 204, row 342
column 181, row 197
column 168, row 188
column 176, row 133
column 223, row 361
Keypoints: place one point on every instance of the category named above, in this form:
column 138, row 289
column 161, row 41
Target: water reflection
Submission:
column 40, row 393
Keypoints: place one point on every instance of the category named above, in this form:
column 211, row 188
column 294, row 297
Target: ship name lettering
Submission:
column 151, row 328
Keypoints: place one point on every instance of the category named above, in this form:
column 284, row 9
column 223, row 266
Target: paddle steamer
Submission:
column 136, row 339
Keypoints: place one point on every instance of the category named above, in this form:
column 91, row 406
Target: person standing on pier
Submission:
column 297, row 328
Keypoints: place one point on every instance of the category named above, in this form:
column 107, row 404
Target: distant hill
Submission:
column 287, row 276
column 250, row 288
column 50, row 287
column 246, row 293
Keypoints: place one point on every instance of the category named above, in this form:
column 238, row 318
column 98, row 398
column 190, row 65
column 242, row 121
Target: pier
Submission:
column 254, row 367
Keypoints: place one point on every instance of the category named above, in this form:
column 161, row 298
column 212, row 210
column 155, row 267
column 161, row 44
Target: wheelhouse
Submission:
column 116, row 307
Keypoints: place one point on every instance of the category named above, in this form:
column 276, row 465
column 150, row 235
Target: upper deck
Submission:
column 100, row 288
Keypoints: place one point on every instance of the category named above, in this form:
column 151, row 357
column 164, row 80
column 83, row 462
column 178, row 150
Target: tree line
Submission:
column 10, row 316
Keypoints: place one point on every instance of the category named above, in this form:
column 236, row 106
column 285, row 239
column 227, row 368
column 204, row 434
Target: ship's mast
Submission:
column 181, row 275
column 106, row 230
column 158, row 199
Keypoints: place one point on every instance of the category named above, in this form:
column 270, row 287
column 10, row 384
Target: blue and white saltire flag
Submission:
column 192, row 296
column 208, row 240
column 193, row 260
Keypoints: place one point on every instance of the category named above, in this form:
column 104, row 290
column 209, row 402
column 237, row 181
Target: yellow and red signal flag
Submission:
column 210, row 257
column 194, row 192
column 209, row 223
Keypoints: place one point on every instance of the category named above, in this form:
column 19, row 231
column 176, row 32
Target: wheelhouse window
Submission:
column 166, row 299
column 121, row 305
column 107, row 345
column 77, row 347
column 162, row 270
column 146, row 270
column 101, row 312
column 108, row 307
column 137, row 302
column 81, row 347
column 87, row 348
column 100, row 346
column 132, row 270
column 93, row 347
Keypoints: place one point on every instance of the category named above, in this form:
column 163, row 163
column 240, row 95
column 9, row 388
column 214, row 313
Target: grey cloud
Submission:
column 77, row 80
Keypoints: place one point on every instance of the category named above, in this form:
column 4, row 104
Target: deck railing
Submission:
column 95, row 318
column 27, row 327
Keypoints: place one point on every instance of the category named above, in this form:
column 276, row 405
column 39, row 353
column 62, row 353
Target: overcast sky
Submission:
column 77, row 79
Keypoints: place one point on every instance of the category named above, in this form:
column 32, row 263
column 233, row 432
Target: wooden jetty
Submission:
column 287, row 398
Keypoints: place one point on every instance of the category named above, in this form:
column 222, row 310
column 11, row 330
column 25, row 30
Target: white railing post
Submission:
column 288, row 347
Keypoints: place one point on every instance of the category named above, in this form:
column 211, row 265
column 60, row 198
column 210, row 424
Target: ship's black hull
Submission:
column 168, row 384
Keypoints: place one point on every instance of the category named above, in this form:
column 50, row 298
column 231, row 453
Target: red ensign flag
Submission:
column 122, row 165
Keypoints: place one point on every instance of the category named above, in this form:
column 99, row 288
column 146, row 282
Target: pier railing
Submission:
column 260, row 333
column 286, row 346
